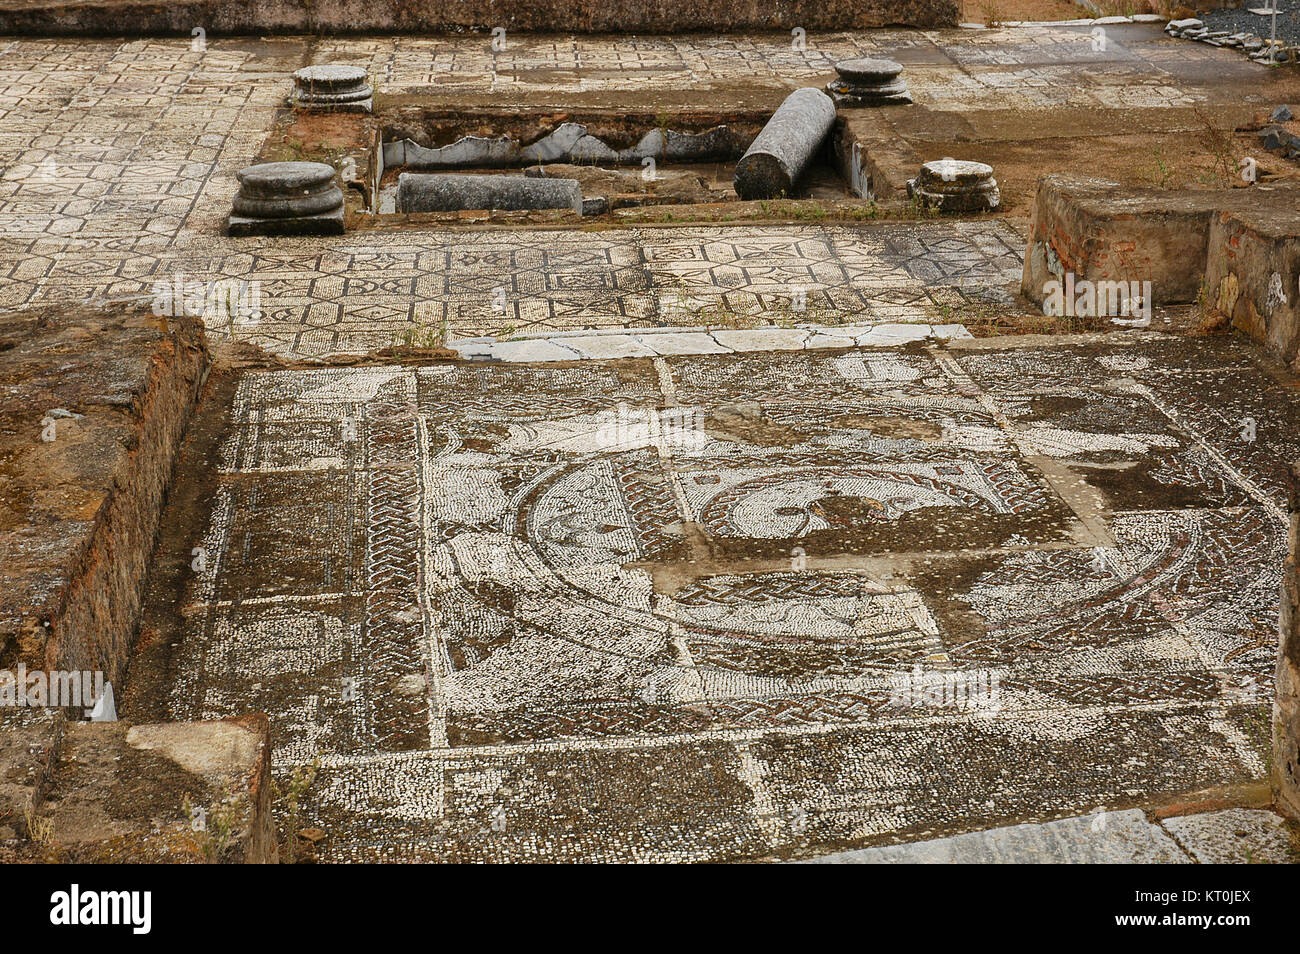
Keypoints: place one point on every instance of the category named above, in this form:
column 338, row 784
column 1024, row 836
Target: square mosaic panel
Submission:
column 448, row 572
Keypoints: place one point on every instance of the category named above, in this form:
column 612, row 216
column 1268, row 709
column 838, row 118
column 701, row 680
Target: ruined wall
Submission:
column 117, row 793
column 1253, row 275
column 1102, row 231
column 239, row 17
column 1236, row 250
column 95, row 406
column 1286, row 711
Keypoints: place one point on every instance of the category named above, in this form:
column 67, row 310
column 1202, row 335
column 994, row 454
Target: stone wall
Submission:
column 1102, row 231
column 239, row 17
column 1235, row 250
column 1286, row 711
column 95, row 405
column 1252, row 274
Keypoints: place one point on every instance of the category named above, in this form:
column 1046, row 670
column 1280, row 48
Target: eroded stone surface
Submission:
column 1229, row 249
column 423, row 192
column 196, row 792
column 869, row 82
column 1234, row 836
column 1286, row 710
column 286, row 198
column 29, row 744
column 46, row 17
column 93, row 408
column 785, row 148
column 633, row 344
column 331, row 86
column 119, row 160
column 956, row 185
column 1099, row 536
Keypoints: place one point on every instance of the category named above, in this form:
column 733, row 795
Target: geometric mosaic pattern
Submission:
column 117, row 162
column 352, row 295
column 730, row 606
column 671, row 609
column 1028, row 67
column 363, row 293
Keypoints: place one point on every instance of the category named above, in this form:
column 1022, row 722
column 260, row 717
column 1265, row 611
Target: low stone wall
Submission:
column 239, row 17
column 1253, row 274
column 95, row 405
column 1237, row 250
column 1102, row 231
column 872, row 157
column 1286, row 711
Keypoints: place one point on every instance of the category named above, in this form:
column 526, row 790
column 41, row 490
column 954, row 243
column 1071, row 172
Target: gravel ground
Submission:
column 1243, row 21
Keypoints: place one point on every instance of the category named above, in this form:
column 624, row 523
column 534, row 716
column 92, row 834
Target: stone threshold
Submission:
column 662, row 342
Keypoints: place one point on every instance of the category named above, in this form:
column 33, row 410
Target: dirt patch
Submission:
column 946, row 583
column 179, row 793
column 894, row 428
column 485, row 437
column 860, row 528
column 318, row 136
column 1133, row 485
column 746, row 423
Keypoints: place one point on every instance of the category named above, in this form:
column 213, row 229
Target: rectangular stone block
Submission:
column 1101, row 231
column 1252, row 272
column 1234, row 250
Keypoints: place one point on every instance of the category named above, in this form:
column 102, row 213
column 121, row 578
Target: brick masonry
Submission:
column 1234, row 251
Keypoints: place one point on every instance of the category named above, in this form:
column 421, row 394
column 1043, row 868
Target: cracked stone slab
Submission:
column 606, row 346
column 1105, row 838
column 1234, row 836
column 776, row 339
column 690, row 342
column 567, row 346
column 892, row 334
column 540, row 349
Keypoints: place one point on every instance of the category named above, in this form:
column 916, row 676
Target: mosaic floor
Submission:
column 728, row 606
column 740, row 606
column 1026, row 67
column 117, row 162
